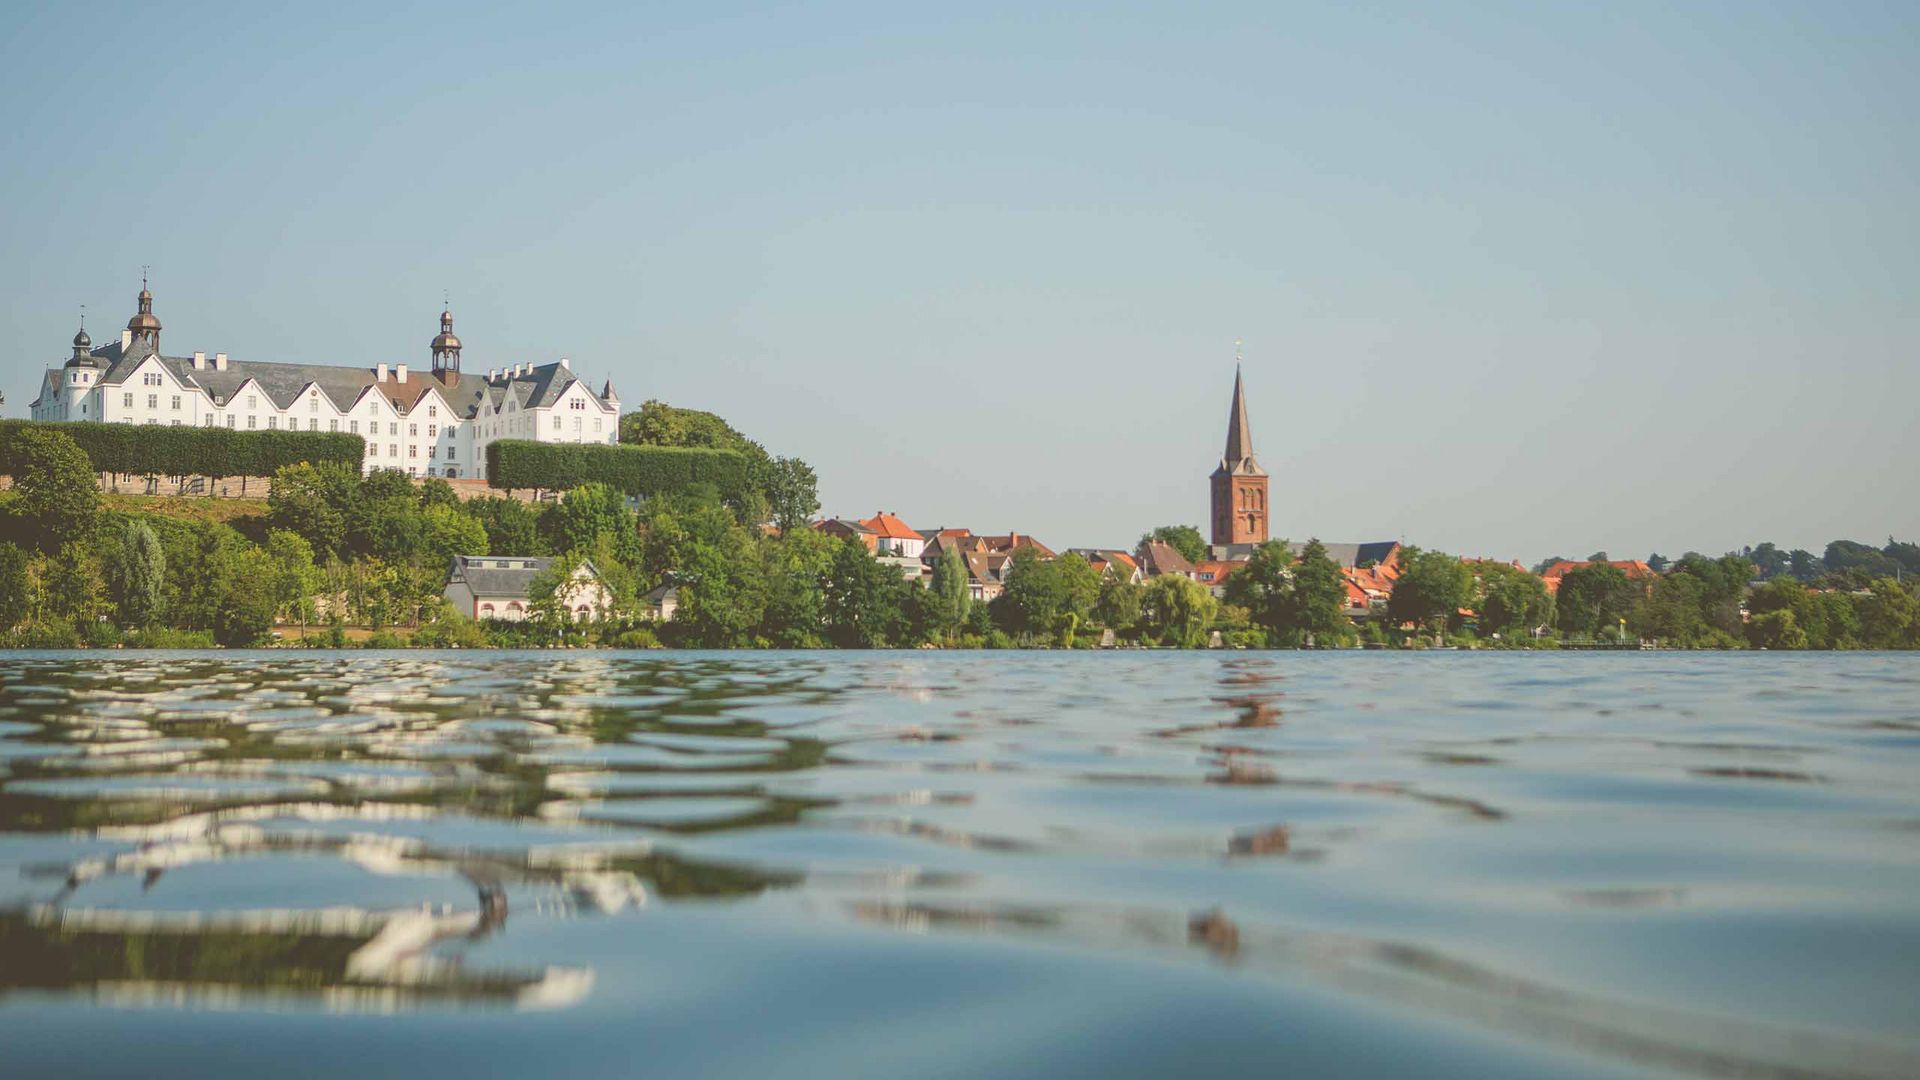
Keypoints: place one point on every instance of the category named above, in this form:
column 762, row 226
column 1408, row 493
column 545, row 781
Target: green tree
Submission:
column 1320, row 596
column 1184, row 539
column 1118, row 608
column 1594, row 597
column 312, row 501
column 792, row 493
column 57, row 492
column 1777, row 630
column 446, row 532
column 16, row 585
column 1889, row 616
column 1048, row 597
column 1178, row 610
column 864, row 601
column 136, row 570
column 512, row 527
column 950, row 594
column 1264, row 589
column 72, row 585
column 1431, row 589
column 1511, row 601
column 696, row 543
column 796, row 567
column 296, row 579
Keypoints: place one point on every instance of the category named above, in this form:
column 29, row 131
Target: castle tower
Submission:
column 1239, row 484
column 446, row 350
column 144, row 326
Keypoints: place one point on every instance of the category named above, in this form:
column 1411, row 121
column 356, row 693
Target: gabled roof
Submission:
column 885, row 524
column 1161, row 558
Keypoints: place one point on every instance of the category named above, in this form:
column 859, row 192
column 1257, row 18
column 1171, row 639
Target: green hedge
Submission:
column 636, row 470
column 157, row 450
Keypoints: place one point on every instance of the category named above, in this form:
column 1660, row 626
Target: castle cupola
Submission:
column 145, row 326
column 446, row 348
column 82, row 347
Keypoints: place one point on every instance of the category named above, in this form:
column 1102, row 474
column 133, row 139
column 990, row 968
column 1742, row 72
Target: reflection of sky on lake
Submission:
column 846, row 863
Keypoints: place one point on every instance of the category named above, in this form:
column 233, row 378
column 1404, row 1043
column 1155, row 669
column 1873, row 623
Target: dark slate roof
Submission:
column 538, row 387
column 1347, row 555
column 485, row 578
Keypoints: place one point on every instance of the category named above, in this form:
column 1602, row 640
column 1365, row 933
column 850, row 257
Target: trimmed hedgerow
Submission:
column 156, row 450
column 636, row 470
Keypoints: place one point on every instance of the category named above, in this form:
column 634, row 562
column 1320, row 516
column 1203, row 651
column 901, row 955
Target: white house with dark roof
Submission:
column 436, row 422
column 497, row 587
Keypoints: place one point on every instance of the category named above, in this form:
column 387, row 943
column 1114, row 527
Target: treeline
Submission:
column 213, row 452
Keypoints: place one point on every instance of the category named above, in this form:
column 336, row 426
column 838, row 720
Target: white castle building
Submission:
column 432, row 423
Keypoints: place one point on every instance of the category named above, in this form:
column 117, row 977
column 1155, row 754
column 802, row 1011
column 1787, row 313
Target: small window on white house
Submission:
column 176, row 403
column 126, row 401
column 333, row 425
column 250, row 423
column 252, row 402
column 353, row 426
column 153, row 401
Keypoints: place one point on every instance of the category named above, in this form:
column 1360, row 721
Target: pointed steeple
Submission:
column 1239, row 433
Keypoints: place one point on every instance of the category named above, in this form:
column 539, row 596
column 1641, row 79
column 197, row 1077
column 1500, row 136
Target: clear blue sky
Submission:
column 1514, row 280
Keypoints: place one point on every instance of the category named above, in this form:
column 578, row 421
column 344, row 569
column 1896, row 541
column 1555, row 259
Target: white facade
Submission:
column 436, row 422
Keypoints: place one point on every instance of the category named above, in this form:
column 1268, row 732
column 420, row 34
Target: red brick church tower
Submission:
column 1239, row 484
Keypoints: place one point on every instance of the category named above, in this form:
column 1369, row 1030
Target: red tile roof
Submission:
column 886, row 525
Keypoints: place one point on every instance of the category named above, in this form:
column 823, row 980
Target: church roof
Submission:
column 1238, row 459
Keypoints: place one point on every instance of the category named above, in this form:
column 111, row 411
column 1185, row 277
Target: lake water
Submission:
column 886, row 864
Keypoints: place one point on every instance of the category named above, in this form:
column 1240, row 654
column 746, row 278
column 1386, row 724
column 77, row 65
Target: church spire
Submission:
column 1239, row 433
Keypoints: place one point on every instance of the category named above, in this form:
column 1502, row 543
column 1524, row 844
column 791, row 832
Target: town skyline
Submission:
column 1496, row 298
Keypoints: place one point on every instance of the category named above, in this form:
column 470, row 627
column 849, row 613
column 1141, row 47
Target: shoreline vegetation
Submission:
column 334, row 559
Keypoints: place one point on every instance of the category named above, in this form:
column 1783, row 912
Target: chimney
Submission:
column 199, row 361
column 219, row 361
column 566, row 363
column 126, row 339
column 400, row 373
column 380, row 373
